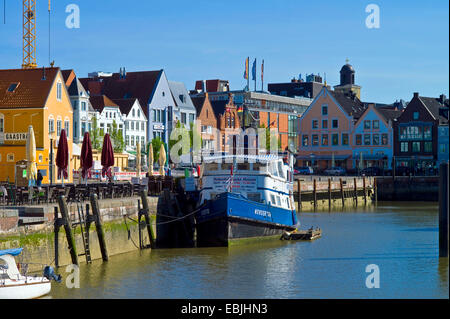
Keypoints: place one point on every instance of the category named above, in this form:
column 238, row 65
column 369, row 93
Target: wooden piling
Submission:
column 364, row 189
column 146, row 207
column 443, row 210
column 299, row 187
column 98, row 226
column 341, row 184
column 56, row 241
column 315, row 194
column 355, row 191
column 68, row 229
column 329, row 193
column 375, row 190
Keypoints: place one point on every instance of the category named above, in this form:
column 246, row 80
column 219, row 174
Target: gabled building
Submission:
column 185, row 109
column 36, row 97
column 82, row 108
column 207, row 121
column 135, row 123
column 152, row 90
column 325, row 130
column 373, row 137
column 108, row 113
column 416, row 137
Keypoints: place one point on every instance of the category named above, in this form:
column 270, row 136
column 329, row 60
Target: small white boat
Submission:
column 14, row 285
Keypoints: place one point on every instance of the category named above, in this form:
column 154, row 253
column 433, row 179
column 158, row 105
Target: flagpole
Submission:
column 262, row 76
column 248, row 73
column 255, row 74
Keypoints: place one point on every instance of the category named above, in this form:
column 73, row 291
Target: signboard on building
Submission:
column 158, row 126
column 14, row 137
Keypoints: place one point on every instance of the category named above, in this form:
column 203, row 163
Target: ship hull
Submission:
column 231, row 218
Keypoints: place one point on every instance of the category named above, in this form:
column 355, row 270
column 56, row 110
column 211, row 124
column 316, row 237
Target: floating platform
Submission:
column 309, row 234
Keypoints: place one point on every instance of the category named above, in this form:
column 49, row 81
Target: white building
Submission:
column 108, row 113
column 185, row 110
column 135, row 122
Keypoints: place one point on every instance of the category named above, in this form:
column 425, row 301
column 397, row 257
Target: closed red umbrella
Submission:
column 107, row 156
column 86, row 156
column 62, row 156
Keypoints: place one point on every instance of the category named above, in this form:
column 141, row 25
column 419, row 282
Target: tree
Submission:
column 117, row 138
column 192, row 131
column 268, row 137
column 96, row 135
column 156, row 144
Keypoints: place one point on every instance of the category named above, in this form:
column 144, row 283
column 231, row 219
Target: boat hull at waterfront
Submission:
column 230, row 218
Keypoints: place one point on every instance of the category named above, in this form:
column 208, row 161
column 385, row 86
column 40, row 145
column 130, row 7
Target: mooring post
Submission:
column 329, row 193
column 68, row 229
column 355, row 186
column 341, row 184
column 56, row 232
column 147, row 218
column 315, row 194
column 299, row 194
column 375, row 189
column 443, row 210
column 98, row 226
column 364, row 189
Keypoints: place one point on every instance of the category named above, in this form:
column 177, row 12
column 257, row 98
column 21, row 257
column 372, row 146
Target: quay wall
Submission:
column 119, row 221
column 408, row 188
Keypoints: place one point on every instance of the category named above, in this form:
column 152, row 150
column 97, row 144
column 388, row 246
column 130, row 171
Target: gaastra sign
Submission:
column 12, row 137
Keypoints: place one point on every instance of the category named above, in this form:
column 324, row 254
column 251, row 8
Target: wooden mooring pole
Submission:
column 146, row 212
column 364, row 189
column 56, row 232
column 299, row 191
column 68, row 229
column 329, row 193
column 443, row 210
column 355, row 191
column 315, row 194
column 98, row 226
column 341, row 184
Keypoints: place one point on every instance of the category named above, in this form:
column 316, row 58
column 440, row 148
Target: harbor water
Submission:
column 401, row 239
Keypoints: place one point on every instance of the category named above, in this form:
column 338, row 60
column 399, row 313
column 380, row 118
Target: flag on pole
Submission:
column 262, row 71
column 254, row 71
column 246, row 69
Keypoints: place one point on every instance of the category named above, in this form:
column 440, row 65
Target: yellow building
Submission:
column 36, row 97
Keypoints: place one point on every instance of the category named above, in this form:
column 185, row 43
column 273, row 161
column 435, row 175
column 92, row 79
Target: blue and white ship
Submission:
column 244, row 197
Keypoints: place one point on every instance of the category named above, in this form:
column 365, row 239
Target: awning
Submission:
column 12, row 252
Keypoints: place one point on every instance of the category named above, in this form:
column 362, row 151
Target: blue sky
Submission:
column 204, row 39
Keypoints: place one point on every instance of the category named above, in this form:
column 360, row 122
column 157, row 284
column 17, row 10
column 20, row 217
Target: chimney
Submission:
column 416, row 94
column 43, row 74
column 442, row 98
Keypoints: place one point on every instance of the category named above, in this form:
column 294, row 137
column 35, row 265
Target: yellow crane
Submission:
column 29, row 34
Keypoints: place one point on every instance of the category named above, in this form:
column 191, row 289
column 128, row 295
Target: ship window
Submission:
column 256, row 197
column 278, row 201
column 243, row 166
column 274, row 169
column 272, row 199
column 287, row 202
column 280, row 169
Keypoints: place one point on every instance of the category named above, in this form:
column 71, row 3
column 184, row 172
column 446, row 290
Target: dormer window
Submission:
column 12, row 87
column 182, row 98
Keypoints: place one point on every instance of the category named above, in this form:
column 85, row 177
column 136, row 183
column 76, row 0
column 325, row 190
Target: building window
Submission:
column 384, row 139
column 358, row 139
column 142, row 141
column 415, row 147
column 139, row 113
column 83, row 106
column 375, row 124
column 344, row 139
column 305, row 140
column 315, row 140
column 183, row 118
column 10, row 157
column 376, row 139
column 2, row 124
column 75, row 105
column 404, row 147
column 66, row 127
column 75, row 128
column 132, row 140
column 443, row 148
column 127, row 140
column 191, row 118
column 324, row 110
column 324, row 123
column 335, row 123
column 51, row 125
column 134, row 113
column 132, row 125
column 58, row 91
column 367, row 125
column 142, row 126
column 159, row 115
column 58, row 127
column 366, row 139
column 154, row 115
column 428, row 147
column 127, row 125
column 315, row 124
column 427, row 132
column 324, row 139
column 416, row 115
column 335, row 139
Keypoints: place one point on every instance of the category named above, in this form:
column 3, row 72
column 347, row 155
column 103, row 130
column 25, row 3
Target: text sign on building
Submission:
column 240, row 183
column 14, row 137
column 158, row 127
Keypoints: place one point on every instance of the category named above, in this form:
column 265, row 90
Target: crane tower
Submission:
column 29, row 34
